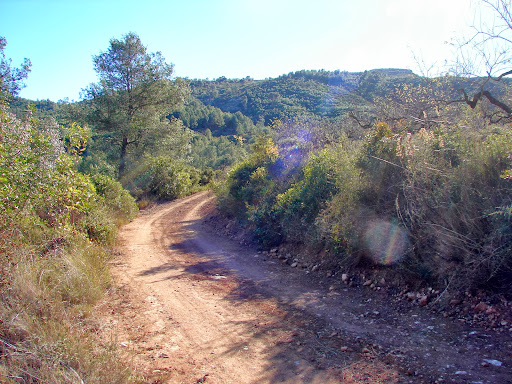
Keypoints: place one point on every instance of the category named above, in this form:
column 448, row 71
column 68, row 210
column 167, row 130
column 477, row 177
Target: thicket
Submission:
column 165, row 178
column 433, row 202
column 55, row 228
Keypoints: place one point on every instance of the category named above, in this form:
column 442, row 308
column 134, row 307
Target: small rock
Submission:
column 382, row 281
column 504, row 323
column 455, row 302
column 367, row 283
column 461, row 373
column 410, row 296
column 423, row 301
column 344, row 349
column 480, row 307
column 294, row 264
column 366, row 350
column 344, row 277
column 328, row 273
column 490, row 310
column 496, row 363
column 163, row 356
column 315, row 267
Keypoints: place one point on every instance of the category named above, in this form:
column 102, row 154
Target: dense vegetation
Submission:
column 55, row 226
column 435, row 204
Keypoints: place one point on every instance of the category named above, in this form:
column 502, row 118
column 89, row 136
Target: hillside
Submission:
column 303, row 93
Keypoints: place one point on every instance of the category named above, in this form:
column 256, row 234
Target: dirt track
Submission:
column 193, row 307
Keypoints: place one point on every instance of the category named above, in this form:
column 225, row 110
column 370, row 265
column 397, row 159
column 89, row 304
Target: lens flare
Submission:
column 386, row 242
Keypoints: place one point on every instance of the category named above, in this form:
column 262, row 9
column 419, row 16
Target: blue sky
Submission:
column 232, row 38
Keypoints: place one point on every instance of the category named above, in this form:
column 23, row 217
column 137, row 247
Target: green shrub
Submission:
column 446, row 197
column 383, row 167
column 118, row 200
column 471, row 238
column 250, row 181
column 337, row 221
column 299, row 206
column 436, row 204
column 162, row 178
column 169, row 179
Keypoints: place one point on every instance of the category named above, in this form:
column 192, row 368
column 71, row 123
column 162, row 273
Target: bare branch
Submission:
column 503, row 75
column 488, row 50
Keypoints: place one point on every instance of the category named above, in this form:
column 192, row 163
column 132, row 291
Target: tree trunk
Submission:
column 122, row 157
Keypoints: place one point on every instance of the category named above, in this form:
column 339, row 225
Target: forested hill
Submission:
column 234, row 106
column 303, row 93
column 247, row 107
column 242, row 106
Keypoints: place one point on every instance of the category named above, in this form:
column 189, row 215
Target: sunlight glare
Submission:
column 386, row 242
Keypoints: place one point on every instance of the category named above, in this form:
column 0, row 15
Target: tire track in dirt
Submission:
column 195, row 307
column 186, row 320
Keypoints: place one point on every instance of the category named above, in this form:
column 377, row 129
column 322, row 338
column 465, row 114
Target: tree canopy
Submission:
column 11, row 79
column 135, row 92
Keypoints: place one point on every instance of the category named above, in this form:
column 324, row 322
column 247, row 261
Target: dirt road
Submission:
column 192, row 306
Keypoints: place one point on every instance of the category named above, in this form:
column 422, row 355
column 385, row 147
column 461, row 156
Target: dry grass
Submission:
column 47, row 330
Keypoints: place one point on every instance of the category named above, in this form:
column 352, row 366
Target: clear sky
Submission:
column 232, row 38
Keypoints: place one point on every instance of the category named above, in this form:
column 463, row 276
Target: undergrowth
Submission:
column 433, row 203
column 56, row 226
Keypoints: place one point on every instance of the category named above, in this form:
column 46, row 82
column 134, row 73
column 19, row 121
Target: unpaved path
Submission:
column 194, row 307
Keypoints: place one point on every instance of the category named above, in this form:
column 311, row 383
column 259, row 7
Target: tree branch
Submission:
column 497, row 103
column 359, row 122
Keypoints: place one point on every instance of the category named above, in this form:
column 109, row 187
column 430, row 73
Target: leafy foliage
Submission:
column 11, row 79
column 54, row 225
column 300, row 94
column 299, row 206
column 169, row 179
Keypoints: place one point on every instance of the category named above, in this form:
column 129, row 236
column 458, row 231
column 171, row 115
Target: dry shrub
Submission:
column 47, row 332
column 449, row 201
column 435, row 203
